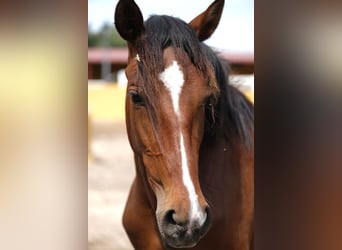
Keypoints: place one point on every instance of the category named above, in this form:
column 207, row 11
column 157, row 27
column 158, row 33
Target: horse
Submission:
column 192, row 136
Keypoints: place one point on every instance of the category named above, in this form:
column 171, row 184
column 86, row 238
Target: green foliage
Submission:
column 107, row 36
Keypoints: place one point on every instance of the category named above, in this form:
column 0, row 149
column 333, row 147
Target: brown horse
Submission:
column 192, row 135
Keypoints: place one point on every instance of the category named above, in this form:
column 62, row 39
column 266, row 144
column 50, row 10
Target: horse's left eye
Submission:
column 136, row 98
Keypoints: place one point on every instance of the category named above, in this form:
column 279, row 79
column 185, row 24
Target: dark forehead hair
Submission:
column 160, row 33
column 165, row 31
column 228, row 107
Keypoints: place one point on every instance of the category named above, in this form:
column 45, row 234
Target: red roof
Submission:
column 120, row 55
column 238, row 57
column 114, row 55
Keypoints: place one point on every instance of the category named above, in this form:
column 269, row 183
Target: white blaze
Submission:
column 173, row 79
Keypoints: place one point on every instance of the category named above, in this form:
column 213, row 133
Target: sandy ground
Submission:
column 110, row 174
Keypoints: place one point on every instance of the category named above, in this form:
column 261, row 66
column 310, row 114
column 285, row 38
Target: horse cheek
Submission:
column 144, row 133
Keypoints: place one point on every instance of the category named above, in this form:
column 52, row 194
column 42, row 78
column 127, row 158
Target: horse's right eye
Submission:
column 136, row 98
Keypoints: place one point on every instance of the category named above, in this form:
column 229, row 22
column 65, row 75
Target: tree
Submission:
column 107, row 36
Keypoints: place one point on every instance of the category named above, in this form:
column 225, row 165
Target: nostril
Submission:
column 207, row 211
column 207, row 220
column 169, row 217
column 174, row 218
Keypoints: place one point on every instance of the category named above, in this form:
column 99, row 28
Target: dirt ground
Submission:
column 110, row 174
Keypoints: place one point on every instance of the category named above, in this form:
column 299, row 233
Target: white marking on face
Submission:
column 195, row 210
column 173, row 79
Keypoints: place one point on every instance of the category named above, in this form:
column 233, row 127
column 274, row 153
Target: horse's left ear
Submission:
column 129, row 21
column 206, row 23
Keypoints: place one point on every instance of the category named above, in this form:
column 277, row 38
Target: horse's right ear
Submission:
column 129, row 21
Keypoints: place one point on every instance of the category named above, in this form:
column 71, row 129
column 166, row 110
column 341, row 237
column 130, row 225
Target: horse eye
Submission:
column 136, row 98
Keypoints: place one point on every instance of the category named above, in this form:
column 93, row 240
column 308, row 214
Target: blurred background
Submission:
column 43, row 125
column 111, row 166
column 44, row 97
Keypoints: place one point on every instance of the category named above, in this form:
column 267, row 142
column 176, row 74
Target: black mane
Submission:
column 232, row 111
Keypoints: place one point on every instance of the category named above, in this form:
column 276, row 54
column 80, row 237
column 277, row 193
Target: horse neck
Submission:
column 228, row 144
